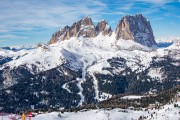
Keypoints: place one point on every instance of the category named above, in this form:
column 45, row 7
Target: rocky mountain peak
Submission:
column 62, row 34
column 135, row 28
column 86, row 28
column 83, row 27
column 104, row 28
column 86, row 21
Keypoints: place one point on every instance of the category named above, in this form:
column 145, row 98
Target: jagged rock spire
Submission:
column 104, row 28
column 135, row 28
column 83, row 27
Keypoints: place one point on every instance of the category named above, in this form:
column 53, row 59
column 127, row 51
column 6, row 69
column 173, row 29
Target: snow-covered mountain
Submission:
column 83, row 66
column 166, row 42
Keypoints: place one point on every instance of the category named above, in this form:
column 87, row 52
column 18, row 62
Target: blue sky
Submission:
column 24, row 22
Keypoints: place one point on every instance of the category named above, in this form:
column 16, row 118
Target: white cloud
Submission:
column 126, row 6
column 98, row 3
column 111, row 13
column 25, row 15
column 4, row 30
column 150, row 11
column 1, row 41
column 157, row 19
column 157, row 1
column 12, row 37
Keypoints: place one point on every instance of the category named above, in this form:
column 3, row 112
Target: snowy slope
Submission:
column 176, row 45
column 166, row 42
column 48, row 57
column 44, row 57
column 89, row 55
column 75, row 51
column 167, row 112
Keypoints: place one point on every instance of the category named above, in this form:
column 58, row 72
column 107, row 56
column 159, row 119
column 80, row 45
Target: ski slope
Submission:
column 167, row 112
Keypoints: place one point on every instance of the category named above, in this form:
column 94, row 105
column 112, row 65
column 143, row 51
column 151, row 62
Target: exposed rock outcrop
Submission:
column 61, row 35
column 104, row 28
column 84, row 28
column 135, row 28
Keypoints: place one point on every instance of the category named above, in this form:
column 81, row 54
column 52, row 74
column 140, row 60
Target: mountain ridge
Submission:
column 135, row 28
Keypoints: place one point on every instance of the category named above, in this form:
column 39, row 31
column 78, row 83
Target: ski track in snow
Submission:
column 80, row 91
column 95, row 82
column 93, row 69
column 64, row 86
column 80, row 81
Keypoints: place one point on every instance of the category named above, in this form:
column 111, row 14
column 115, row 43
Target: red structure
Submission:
column 30, row 115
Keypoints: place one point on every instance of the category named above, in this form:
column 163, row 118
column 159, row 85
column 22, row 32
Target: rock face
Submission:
column 104, row 28
column 84, row 28
column 60, row 35
column 136, row 28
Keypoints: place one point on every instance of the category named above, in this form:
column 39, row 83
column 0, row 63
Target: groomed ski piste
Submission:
column 167, row 112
